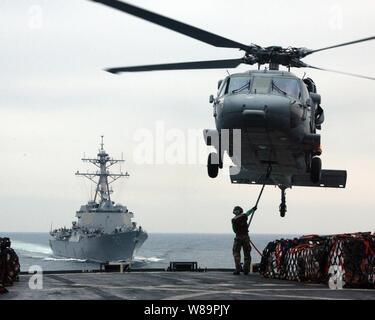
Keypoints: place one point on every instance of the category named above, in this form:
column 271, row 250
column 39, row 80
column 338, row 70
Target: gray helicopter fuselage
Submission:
column 275, row 114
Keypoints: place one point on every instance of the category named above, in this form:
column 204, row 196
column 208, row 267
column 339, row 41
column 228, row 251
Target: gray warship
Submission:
column 104, row 231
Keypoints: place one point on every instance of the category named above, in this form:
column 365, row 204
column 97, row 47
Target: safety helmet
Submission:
column 237, row 210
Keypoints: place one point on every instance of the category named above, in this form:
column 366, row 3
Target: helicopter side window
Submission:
column 238, row 85
column 222, row 87
column 287, row 87
column 304, row 90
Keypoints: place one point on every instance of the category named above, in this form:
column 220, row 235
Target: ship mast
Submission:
column 103, row 162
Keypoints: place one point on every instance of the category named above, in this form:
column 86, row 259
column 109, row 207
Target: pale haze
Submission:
column 56, row 101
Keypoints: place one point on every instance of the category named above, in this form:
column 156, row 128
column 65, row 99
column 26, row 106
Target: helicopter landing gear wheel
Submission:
column 282, row 207
column 282, row 210
column 316, row 169
column 213, row 165
column 220, row 164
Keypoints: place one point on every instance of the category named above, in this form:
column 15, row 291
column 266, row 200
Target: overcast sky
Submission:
column 55, row 102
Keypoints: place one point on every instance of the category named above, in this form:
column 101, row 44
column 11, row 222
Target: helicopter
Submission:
column 276, row 113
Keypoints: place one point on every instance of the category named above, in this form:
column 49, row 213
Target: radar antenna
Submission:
column 102, row 162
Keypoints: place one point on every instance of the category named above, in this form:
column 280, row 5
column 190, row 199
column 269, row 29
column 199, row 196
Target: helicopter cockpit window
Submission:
column 286, row 86
column 238, row 85
column 261, row 85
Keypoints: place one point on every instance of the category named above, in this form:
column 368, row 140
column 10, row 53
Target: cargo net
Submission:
column 346, row 260
column 9, row 265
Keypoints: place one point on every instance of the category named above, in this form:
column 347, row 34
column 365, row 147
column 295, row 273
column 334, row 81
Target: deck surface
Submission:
column 210, row 285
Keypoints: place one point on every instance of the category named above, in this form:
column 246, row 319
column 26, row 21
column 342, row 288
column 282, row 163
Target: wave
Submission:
column 64, row 259
column 44, row 258
column 33, row 256
column 43, row 252
column 31, row 247
column 150, row 259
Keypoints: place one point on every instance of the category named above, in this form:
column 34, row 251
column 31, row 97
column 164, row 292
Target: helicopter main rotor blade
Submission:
column 174, row 25
column 340, row 72
column 213, row 64
column 342, row 45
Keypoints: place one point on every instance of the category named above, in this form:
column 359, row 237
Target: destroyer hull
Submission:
column 103, row 248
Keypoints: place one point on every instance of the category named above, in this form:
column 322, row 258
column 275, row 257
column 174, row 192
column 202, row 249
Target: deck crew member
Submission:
column 242, row 239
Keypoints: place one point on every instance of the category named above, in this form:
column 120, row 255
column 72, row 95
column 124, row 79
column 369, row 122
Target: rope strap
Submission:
column 269, row 170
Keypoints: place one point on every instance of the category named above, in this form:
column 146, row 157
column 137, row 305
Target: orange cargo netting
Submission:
column 345, row 258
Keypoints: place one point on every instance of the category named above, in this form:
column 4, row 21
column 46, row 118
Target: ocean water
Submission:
column 209, row 250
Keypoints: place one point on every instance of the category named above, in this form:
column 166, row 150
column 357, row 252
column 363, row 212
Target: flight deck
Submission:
column 163, row 285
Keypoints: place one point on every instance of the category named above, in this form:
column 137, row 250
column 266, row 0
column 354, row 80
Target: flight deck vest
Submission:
column 240, row 226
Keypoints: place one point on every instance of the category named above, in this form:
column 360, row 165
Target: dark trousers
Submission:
column 242, row 241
